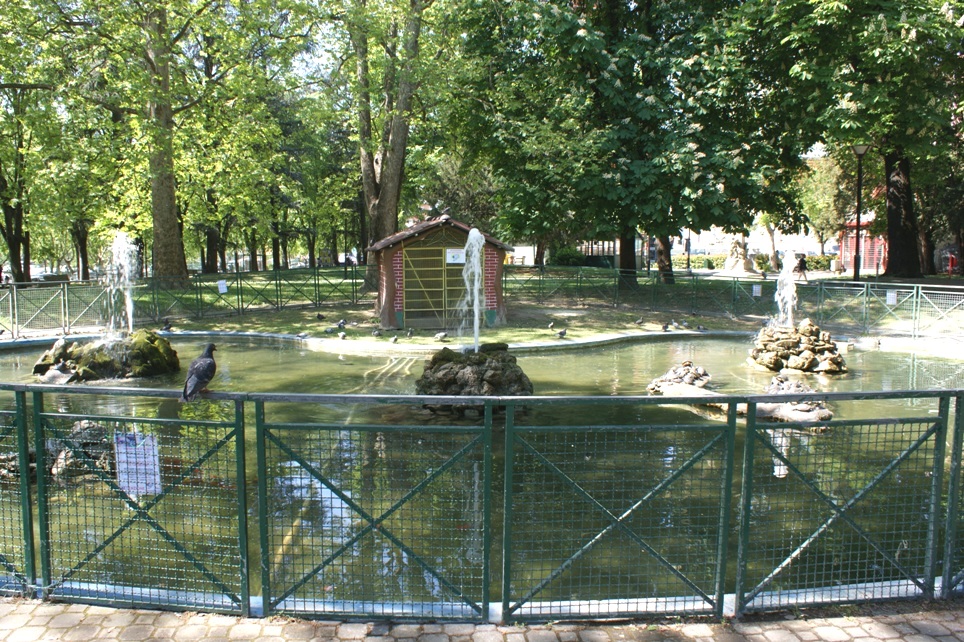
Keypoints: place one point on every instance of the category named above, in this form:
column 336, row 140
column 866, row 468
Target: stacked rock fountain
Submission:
column 782, row 345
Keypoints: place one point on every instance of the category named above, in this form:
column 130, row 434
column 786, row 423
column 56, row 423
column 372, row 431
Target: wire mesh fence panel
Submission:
column 15, row 562
column 297, row 288
column 843, row 306
column 841, row 512
column 754, row 298
column 364, row 518
column 258, row 291
column 218, row 295
column 87, row 305
column 940, row 312
column 337, row 285
column 952, row 577
column 173, row 298
column 608, row 520
column 892, row 310
column 523, row 282
column 7, row 306
column 142, row 512
column 40, row 307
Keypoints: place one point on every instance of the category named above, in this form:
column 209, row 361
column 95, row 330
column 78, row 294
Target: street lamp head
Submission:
column 860, row 150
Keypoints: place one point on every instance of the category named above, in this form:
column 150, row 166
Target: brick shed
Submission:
column 420, row 275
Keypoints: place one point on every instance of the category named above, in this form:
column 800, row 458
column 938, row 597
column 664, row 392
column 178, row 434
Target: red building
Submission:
column 873, row 249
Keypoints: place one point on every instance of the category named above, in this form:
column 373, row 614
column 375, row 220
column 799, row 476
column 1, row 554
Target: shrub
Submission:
column 566, row 256
column 762, row 262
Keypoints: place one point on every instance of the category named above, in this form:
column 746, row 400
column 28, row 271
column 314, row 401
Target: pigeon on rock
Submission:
column 199, row 374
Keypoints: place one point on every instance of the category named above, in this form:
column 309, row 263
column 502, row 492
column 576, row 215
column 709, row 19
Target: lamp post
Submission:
column 859, row 150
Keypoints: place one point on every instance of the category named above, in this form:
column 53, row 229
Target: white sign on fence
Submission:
column 138, row 463
column 455, row 255
column 757, row 290
column 222, row 287
column 891, row 297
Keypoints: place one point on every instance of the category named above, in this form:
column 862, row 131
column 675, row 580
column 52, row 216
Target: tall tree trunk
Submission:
column 252, row 243
column 209, row 262
column 664, row 259
column 79, row 235
column 169, row 259
column 383, row 170
column 13, row 197
column 927, row 250
column 627, row 260
column 903, row 257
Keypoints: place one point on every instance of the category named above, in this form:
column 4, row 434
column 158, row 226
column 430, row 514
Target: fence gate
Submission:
column 365, row 518
column 843, row 511
column 16, row 525
column 146, row 512
column 610, row 520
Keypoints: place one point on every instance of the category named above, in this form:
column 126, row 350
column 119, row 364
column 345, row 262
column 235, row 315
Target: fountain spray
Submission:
column 786, row 294
column 472, row 276
column 119, row 278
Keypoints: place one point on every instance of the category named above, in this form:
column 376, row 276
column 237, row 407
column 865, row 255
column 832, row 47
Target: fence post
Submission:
column 724, row 519
column 262, row 503
column 43, row 511
column 507, row 509
column 486, row 506
column 937, row 489
column 953, row 499
column 746, row 490
column 241, row 473
column 918, row 294
column 26, row 508
column 14, row 316
column 64, row 309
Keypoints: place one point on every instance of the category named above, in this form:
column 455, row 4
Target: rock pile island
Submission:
column 805, row 347
column 491, row 371
column 140, row 354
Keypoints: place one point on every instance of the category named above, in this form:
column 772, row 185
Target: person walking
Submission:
column 801, row 267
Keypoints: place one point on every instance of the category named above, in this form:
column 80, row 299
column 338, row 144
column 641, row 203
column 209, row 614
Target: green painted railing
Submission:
column 538, row 508
column 861, row 308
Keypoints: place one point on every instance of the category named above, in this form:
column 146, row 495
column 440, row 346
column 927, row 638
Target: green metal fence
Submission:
column 614, row 519
column 854, row 509
column 141, row 511
column 357, row 522
column 863, row 308
column 381, row 506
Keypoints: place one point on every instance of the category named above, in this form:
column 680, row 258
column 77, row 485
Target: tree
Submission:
column 863, row 71
column 618, row 117
column 824, row 199
column 386, row 45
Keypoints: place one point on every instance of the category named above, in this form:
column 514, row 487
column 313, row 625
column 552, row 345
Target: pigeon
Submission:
column 353, row 323
column 341, row 324
column 395, row 339
column 561, row 334
column 2, row 331
column 552, row 324
column 376, row 332
column 701, row 328
column 685, row 324
column 167, row 326
column 675, row 324
column 199, row 374
column 410, row 333
column 320, row 316
column 665, row 327
column 639, row 321
column 329, row 330
column 302, row 335
column 341, row 335
column 441, row 336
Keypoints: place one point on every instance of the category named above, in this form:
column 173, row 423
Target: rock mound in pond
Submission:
column 684, row 374
column 805, row 348
column 141, row 354
column 490, row 372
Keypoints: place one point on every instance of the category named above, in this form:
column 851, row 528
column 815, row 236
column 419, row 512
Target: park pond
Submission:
column 318, row 547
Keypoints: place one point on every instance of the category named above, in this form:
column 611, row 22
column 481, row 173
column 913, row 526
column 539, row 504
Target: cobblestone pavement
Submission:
column 28, row 621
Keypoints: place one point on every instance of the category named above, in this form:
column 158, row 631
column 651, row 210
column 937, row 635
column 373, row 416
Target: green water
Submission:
column 311, row 526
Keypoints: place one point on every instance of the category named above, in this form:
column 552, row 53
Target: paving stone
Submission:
column 432, row 628
column 697, row 631
column 400, row 631
column 781, row 635
column 84, row 632
column 137, row 632
column 487, row 636
column 296, row 631
column 352, row 631
column 459, row 629
column 433, row 637
column 590, row 635
column 190, row 632
column 933, row 629
column 14, row 621
column 26, row 634
column 831, row 634
column 246, row 630
column 515, row 637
